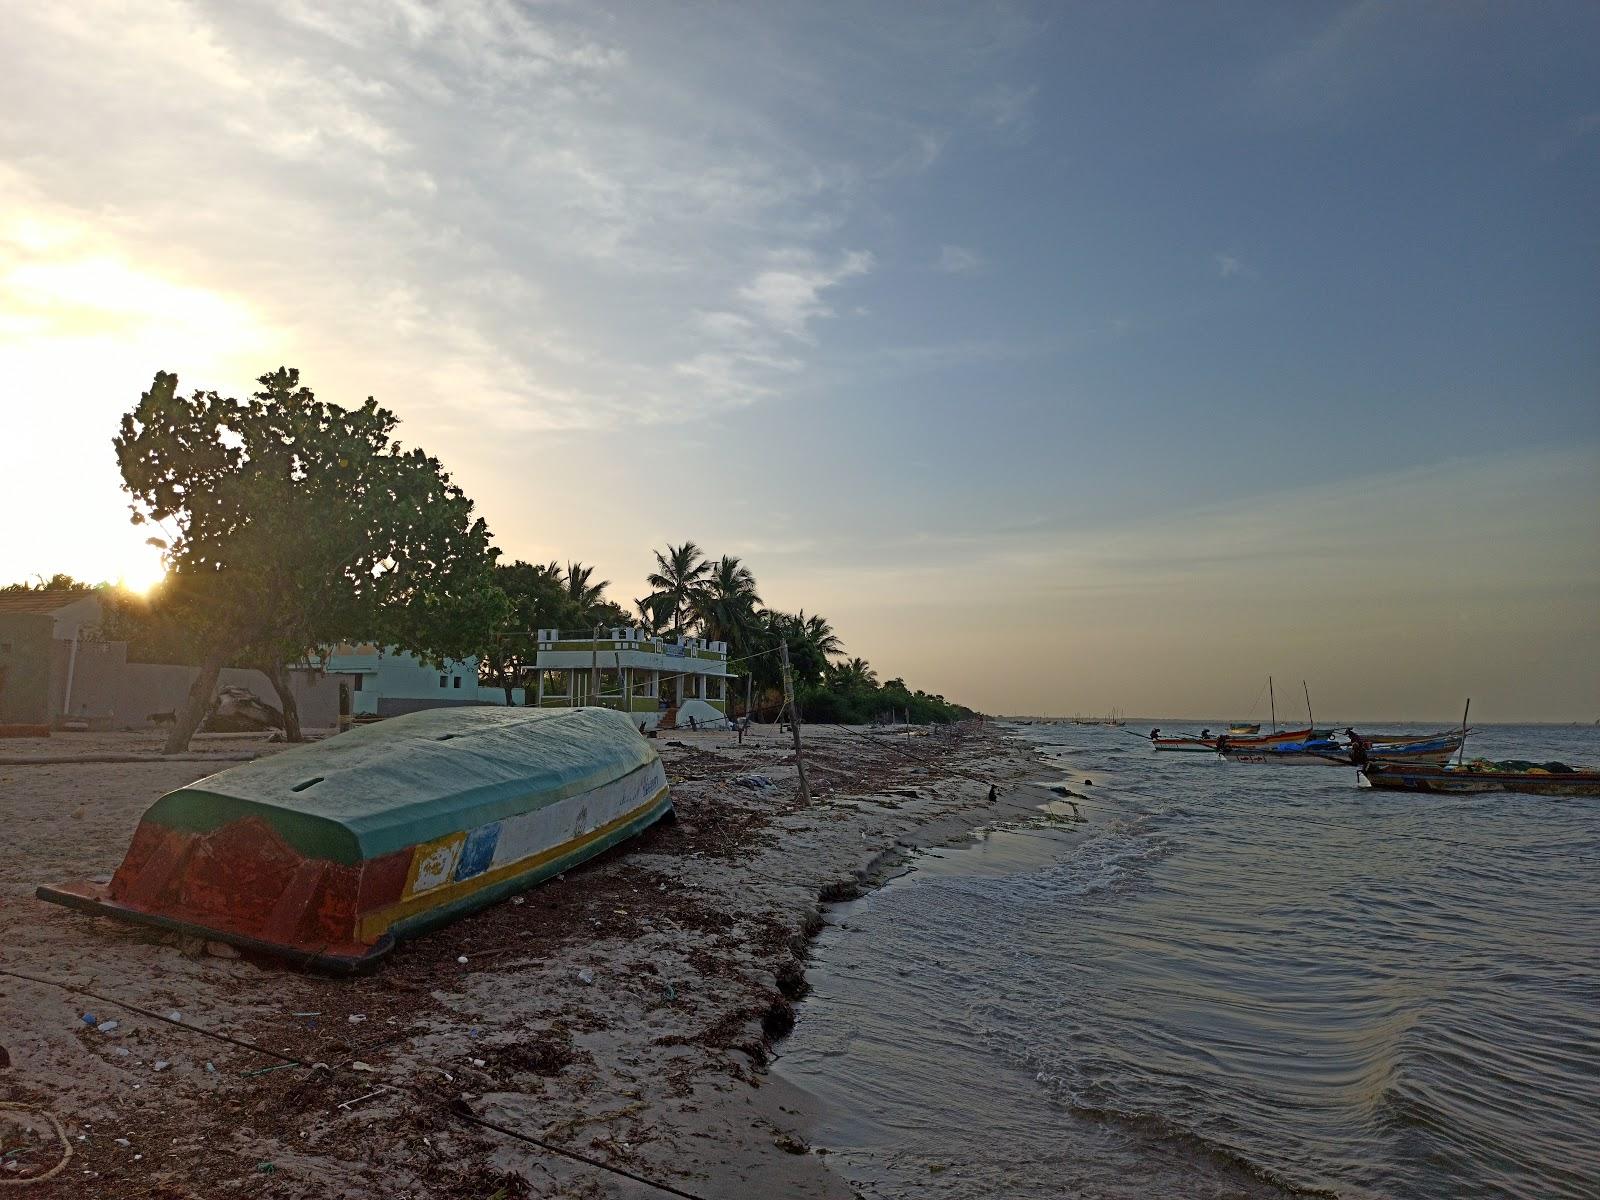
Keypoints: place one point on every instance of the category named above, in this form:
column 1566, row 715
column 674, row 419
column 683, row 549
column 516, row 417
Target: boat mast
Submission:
column 1310, row 720
column 1461, row 754
column 1272, row 700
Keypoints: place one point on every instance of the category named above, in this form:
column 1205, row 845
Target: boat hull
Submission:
column 328, row 854
column 1440, row 781
column 1289, row 758
column 1185, row 745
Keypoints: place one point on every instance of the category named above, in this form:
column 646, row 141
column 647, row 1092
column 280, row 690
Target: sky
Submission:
column 1067, row 357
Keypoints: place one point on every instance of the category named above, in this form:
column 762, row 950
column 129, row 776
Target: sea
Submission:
column 1209, row 979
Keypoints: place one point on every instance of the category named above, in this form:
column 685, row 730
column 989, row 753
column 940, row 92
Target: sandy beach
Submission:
column 619, row 1017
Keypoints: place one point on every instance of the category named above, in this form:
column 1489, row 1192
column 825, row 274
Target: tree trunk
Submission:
column 194, row 708
column 278, row 674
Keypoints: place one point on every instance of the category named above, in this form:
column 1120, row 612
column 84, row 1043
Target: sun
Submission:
column 140, row 577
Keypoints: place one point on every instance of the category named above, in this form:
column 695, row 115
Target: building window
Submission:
column 457, row 682
column 444, row 681
column 610, row 681
column 555, row 683
column 356, row 686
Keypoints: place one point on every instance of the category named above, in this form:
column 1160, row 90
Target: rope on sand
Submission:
column 61, row 1136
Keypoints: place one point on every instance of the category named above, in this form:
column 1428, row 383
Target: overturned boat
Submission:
column 329, row 853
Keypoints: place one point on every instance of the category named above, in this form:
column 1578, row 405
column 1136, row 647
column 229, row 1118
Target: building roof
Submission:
column 47, row 601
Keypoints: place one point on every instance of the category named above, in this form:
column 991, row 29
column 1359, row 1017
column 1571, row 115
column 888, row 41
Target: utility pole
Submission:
column 594, row 667
column 794, row 721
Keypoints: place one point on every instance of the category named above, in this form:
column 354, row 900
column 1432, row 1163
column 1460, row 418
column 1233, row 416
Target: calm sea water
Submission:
column 1229, row 980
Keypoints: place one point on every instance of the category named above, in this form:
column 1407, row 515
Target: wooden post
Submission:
column 794, row 722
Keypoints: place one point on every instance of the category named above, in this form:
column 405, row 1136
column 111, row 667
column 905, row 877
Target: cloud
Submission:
column 956, row 260
column 1228, row 266
column 788, row 297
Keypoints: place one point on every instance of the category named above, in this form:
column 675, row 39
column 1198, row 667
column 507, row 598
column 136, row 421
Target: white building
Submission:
column 386, row 683
column 655, row 680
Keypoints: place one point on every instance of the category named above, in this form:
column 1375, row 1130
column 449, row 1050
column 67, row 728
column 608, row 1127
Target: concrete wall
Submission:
column 25, row 668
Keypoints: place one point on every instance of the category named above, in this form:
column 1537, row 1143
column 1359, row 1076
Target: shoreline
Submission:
column 694, row 937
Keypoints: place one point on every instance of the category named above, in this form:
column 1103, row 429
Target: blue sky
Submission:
column 1056, row 352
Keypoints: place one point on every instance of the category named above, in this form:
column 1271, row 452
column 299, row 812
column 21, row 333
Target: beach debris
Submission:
column 519, row 899
column 124, row 1052
column 756, row 783
column 356, row 1018
column 358, row 1065
column 1088, row 783
column 221, row 950
column 462, row 959
column 122, row 1141
column 211, row 1068
column 175, row 1015
column 266, row 1168
column 306, row 1014
column 161, row 1064
column 109, row 1026
column 477, row 1062
column 586, row 977
column 89, row 1019
column 351, row 1103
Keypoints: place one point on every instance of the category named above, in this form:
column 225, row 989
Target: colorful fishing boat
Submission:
column 329, row 853
column 1483, row 775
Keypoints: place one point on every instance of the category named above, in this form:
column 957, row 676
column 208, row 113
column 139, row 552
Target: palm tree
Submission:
column 583, row 596
column 653, row 614
column 680, row 574
column 855, row 675
column 819, row 634
column 726, row 605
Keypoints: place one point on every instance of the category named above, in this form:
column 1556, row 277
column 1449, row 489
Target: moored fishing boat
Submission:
column 1482, row 775
column 1316, row 753
column 1432, row 750
column 329, row 852
column 1191, row 744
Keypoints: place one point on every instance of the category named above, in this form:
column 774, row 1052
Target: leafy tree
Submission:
column 537, row 597
column 678, row 579
column 300, row 524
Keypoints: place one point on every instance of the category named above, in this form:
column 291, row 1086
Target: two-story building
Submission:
column 655, row 680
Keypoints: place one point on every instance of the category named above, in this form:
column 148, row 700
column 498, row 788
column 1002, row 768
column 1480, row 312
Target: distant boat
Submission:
column 329, row 852
column 1241, row 730
column 1482, row 775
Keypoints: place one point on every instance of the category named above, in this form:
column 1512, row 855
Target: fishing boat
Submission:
column 1238, row 729
column 1432, row 750
column 1320, row 752
column 1191, row 744
column 1402, row 739
column 329, row 853
column 1483, row 775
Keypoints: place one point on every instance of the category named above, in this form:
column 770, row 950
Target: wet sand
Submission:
column 622, row 1014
